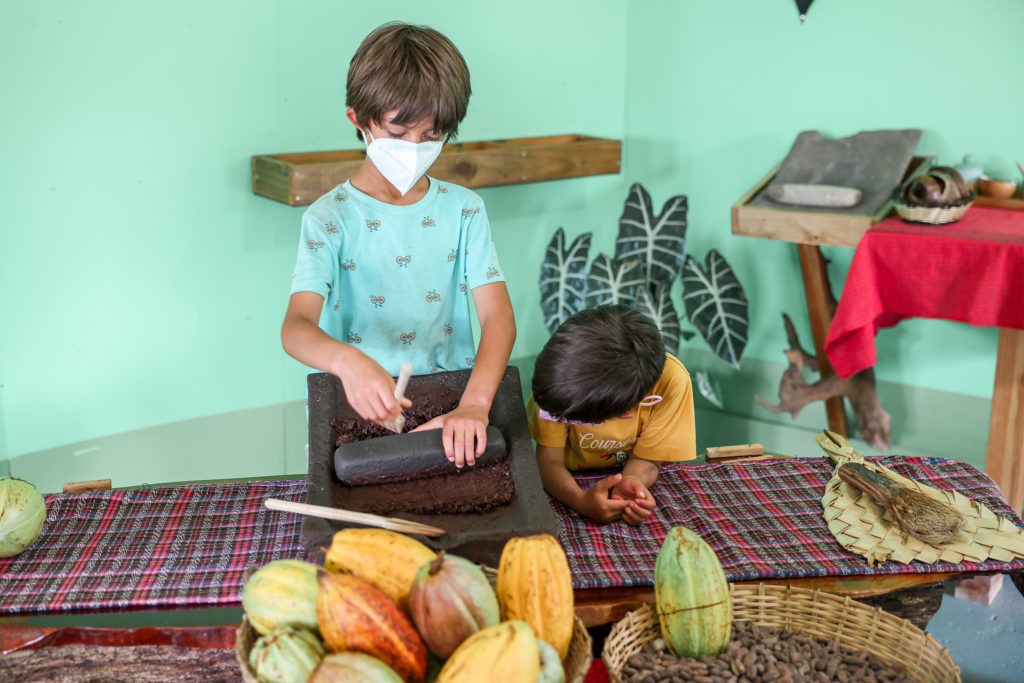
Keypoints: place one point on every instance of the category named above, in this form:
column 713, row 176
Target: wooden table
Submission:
column 597, row 606
column 809, row 231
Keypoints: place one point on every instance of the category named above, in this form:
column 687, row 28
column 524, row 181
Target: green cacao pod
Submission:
column 286, row 655
column 353, row 667
column 450, row 600
column 692, row 596
column 281, row 593
column 22, row 513
column 551, row 669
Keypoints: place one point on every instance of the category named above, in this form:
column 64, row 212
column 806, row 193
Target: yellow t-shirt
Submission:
column 662, row 432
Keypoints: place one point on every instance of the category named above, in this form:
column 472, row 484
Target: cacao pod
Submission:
column 353, row 614
column 506, row 652
column 450, row 600
column 535, row 585
column 692, row 596
column 353, row 667
column 281, row 593
column 551, row 669
column 386, row 559
column 285, row 655
column 22, row 513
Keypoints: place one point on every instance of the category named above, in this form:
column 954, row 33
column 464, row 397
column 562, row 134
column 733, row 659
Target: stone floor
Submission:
column 985, row 640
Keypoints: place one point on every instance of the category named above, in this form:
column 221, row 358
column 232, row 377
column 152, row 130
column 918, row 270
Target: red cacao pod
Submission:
column 355, row 615
column 450, row 600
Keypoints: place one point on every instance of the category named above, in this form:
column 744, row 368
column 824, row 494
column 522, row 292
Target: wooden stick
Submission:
column 337, row 514
column 84, row 486
column 404, row 373
column 712, row 453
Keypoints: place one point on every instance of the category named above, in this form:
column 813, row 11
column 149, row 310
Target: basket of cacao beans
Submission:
column 937, row 197
column 778, row 633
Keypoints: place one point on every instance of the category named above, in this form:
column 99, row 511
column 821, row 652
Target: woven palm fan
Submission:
column 866, row 528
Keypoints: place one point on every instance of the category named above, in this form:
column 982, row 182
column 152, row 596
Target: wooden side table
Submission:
column 809, row 230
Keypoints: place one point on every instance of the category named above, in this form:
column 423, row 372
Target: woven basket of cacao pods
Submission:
column 576, row 664
column 827, row 633
column 937, row 197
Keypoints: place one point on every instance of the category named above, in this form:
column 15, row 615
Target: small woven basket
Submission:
column 895, row 641
column 576, row 663
column 932, row 215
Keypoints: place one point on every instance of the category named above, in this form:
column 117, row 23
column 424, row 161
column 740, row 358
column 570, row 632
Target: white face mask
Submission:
column 400, row 161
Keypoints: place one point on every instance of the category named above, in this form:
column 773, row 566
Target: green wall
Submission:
column 142, row 284
column 141, row 281
column 715, row 97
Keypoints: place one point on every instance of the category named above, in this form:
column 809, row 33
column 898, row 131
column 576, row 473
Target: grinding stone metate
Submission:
column 400, row 457
column 477, row 537
column 872, row 161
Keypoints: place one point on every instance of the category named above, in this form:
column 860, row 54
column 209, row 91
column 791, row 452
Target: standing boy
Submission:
column 388, row 259
column 607, row 395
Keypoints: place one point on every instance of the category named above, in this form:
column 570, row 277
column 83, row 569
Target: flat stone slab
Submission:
column 873, row 162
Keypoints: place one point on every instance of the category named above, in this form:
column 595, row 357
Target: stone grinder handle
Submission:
column 404, row 373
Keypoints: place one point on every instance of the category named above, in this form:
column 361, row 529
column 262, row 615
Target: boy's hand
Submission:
column 638, row 497
column 598, row 503
column 370, row 389
column 464, row 433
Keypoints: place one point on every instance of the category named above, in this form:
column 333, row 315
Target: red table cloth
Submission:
column 155, row 548
column 970, row 271
column 763, row 520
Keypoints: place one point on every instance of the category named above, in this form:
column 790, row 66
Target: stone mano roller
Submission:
column 403, row 457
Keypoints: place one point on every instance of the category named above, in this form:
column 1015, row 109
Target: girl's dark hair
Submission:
column 598, row 364
column 412, row 69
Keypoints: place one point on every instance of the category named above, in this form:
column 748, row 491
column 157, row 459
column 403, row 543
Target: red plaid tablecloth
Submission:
column 189, row 546
column 764, row 520
column 970, row 271
column 183, row 546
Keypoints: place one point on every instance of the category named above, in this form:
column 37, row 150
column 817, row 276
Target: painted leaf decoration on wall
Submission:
column 658, row 244
column 612, row 282
column 708, row 388
column 717, row 306
column 563, row 279
column 655, row 302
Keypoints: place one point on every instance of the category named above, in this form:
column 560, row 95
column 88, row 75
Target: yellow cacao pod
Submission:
column 506, row 652
column 535, row 585
column 281, row 593
column 386, row 559
column 354, row 615
column 692, row 596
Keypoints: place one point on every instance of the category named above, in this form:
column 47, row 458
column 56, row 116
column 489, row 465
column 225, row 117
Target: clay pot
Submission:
column 1000, row 189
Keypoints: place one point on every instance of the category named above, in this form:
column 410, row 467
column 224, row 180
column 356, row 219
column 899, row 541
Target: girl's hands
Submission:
column 600, row 505
column 640, row 502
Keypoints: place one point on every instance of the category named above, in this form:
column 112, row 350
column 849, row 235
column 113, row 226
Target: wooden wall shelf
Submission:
column 299, row 179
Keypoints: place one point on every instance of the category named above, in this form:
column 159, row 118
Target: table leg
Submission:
column 1004, row 460
column 819, row 306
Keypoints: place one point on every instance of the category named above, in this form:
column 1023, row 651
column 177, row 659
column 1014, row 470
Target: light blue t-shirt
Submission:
column 396, row 279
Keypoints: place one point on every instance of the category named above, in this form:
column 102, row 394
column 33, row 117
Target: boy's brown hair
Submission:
column 598, row 364
column 415, row 70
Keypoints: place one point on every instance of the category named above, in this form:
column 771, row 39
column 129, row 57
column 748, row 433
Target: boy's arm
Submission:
column 369, row 388
column 468, row 422
column 594, row 503
column 644, row 472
